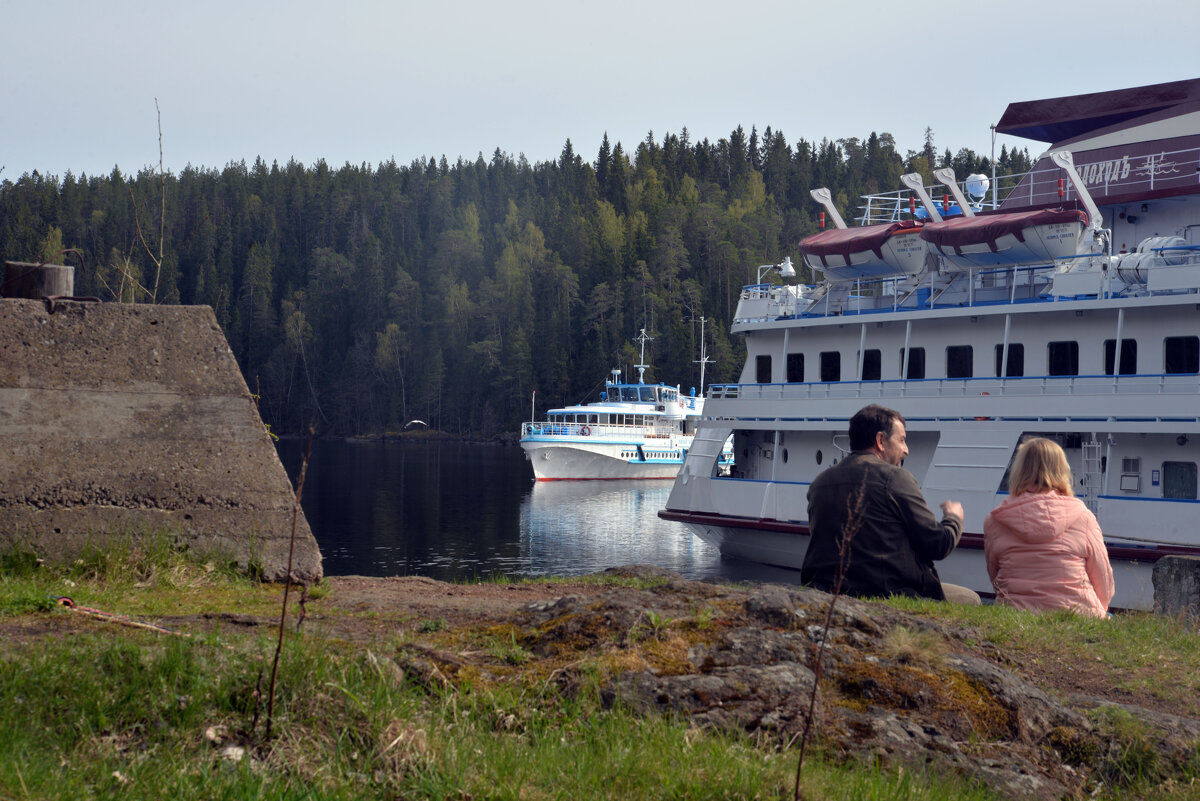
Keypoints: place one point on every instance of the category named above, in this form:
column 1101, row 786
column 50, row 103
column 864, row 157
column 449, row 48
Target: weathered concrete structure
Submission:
column 1177, row 587
column 121, row 421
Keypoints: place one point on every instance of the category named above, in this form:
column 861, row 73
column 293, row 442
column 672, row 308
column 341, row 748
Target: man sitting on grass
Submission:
column 872, row 534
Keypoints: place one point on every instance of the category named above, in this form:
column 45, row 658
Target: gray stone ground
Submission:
column 126, row 422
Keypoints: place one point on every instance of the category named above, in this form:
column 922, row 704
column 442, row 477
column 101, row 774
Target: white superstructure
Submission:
column 1095, row 345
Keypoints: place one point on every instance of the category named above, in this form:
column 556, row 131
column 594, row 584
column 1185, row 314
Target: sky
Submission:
column 85, row 85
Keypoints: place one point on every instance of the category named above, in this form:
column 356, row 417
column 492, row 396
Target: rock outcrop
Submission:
column 894, row 688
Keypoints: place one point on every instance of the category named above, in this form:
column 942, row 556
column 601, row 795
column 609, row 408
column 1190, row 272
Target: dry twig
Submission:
column 854, row 505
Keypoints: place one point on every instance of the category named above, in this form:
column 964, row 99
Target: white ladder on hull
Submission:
column 1091, row 477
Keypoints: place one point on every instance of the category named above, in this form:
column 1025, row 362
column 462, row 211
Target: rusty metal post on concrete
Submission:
column 24, row 279
column 1177, row 587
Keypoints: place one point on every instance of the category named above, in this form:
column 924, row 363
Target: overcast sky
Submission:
column 370, row 81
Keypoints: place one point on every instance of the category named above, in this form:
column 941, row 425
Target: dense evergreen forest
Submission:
column 359, row 298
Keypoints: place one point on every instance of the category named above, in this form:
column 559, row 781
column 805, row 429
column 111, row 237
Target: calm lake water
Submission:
column 452, row 511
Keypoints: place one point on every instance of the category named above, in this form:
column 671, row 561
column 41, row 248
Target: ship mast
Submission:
column 642, row 338
column 703, row 360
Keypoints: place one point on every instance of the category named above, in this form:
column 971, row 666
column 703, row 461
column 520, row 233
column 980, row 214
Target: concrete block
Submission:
column 123, row 421
column 1177, row 587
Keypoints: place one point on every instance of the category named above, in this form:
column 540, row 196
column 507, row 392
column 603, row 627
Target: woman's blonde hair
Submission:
column 1040, row 466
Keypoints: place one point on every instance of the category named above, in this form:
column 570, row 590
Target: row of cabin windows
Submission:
column 1180, row 355
column 614, row 419
column 574, row 418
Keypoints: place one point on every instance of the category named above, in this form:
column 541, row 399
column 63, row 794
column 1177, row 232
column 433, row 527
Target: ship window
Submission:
column 629, row 394
column 871, row 370
column 647, row 394
column 593, row 419
column 1181, row 355
column 831, row 365
column 1016, row 361
column 1062, row 358
column 1131, row 474
column 916, row 363
column 1179, row 479
column 960, row 361
column 795, row 368
column 1128, row 356
column 762, row 369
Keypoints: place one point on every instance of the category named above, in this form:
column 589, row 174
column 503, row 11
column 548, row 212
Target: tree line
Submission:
column 360, row 298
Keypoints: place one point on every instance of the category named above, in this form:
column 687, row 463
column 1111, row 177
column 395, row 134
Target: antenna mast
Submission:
column 703, row 360
column 642, row 338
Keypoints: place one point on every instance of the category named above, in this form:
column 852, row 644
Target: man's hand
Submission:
column 952, row 508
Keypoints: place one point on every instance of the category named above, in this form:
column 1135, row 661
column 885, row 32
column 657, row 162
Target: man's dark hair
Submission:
column 868, row 422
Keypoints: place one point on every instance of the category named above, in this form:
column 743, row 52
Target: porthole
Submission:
column 820, row 456
column 785, row 455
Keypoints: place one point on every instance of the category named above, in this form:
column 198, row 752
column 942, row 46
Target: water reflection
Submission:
column 576, row 527
column 454, row 511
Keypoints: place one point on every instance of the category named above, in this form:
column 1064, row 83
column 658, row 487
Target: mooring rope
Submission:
column 112, row 617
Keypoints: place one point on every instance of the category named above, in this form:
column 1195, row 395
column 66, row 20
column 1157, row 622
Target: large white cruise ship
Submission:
column 1062, row 303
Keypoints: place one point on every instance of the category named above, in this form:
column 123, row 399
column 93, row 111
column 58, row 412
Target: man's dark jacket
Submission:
column 895, row 540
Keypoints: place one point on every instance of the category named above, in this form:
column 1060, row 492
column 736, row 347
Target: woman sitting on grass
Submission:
column 1044, row 548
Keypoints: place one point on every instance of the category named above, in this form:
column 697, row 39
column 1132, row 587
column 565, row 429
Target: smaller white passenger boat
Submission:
column 636, row 430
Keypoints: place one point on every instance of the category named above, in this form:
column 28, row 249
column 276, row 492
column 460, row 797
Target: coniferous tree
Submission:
column 358, row 298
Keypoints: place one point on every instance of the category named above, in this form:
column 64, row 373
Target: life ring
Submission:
column 585, row 431
column 981, row 394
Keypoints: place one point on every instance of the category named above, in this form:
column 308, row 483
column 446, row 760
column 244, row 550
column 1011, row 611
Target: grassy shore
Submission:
column 90, row 709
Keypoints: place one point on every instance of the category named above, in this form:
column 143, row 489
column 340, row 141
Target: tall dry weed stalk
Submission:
column 854, row 505
column 287, row 586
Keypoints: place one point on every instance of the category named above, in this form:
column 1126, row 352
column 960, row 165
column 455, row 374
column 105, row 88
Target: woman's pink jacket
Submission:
column 1045, row 551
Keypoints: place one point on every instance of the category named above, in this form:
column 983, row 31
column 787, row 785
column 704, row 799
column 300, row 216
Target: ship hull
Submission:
column 581, row 461
column 784, row 545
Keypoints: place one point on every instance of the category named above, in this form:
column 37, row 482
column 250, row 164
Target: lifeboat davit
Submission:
column 868, row 252
column 1021, row 237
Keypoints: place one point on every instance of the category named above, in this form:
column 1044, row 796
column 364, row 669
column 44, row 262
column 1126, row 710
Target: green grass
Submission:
column 1145, row 653
column 99, row 716
column 127, row 713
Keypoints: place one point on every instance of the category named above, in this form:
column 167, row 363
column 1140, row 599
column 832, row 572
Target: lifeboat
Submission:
column 868, row 252
column 1022, row 237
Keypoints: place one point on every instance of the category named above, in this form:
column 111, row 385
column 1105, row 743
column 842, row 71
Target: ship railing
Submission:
column 1139, row 175
column 597, row 430
column 761, row 302
column 901, row 204
column 1175, row 272
column 984, row 391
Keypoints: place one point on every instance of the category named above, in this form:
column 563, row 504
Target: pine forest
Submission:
column 359, row 298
